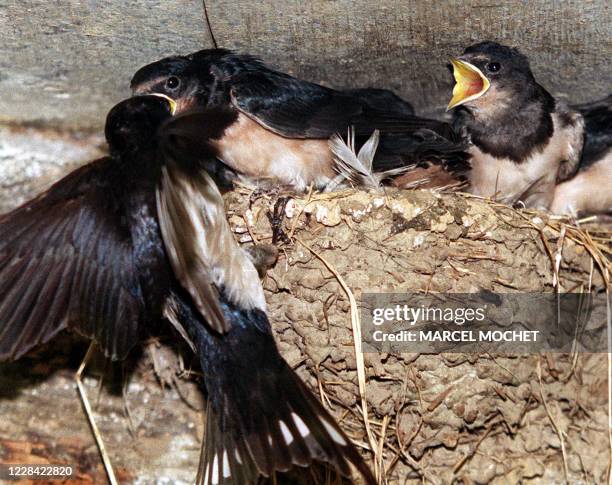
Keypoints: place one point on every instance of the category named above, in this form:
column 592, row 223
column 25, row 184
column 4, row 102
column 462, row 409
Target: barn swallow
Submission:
column 522, row 140
column 140, row 236
column 281, row 125
column 588, row 192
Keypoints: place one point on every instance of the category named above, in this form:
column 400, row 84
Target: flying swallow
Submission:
column 129, row 240
column 522, row 141
column 589, row 191
column 280, row 125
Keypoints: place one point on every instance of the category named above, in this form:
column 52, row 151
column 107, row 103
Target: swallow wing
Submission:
column 598, row 122
column 383, row 100
column 66, row 262
column 298, row 109
column 186, row 221
column 200, row 245
column 293, row 108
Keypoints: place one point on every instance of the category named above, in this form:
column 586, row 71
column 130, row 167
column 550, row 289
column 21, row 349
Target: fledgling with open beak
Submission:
column 522, row 140
column 278, row 126
column 127, row 241
column 590, row 190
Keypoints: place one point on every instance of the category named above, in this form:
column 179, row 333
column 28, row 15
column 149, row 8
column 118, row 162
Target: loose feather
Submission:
column 358, row 168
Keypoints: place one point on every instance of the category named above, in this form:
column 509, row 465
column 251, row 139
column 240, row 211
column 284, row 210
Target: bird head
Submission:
column 489, row 74
column 189, row 80
column 134, row 122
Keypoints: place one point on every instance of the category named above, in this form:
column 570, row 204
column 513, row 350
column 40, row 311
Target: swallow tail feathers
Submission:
column 261, row 418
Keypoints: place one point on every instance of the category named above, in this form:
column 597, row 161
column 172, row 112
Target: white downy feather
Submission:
column 358, row 167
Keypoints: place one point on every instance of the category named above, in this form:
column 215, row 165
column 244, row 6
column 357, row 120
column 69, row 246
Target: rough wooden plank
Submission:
column 405, row 45
column 68, row 62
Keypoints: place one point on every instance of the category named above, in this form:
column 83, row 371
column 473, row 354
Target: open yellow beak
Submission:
column 470, row 83
column 171, row 102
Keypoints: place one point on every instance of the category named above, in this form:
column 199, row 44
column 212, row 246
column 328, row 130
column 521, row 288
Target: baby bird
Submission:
column 522, row 141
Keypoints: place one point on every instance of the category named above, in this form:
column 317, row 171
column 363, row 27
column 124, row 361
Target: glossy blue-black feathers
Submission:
column 261, row 418
column 298, row 109
column 598, row 128
column 87, row 253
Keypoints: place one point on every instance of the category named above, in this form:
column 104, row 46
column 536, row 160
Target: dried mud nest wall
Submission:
column 439, row 418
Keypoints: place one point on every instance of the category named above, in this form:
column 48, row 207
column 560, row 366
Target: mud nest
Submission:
column 447, row 417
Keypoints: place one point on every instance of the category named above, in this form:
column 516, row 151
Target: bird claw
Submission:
column 276, row 220
column 338, row 182
column 269, row 192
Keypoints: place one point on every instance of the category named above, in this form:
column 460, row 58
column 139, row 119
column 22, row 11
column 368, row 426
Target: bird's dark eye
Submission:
column 173, row 82
column 493, row 66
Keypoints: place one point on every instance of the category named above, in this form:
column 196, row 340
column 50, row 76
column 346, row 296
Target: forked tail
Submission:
column 261, row 417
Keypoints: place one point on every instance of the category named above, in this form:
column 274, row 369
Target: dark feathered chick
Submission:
column 522, row 140
column 281, row 125
column 141, row 235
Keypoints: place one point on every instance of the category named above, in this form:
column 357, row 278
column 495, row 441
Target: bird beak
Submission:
column 171, row 102
column 470, row 83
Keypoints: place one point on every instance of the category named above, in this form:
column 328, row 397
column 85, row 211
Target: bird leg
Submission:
column 88, row 412
column 100, row 385
column 337, row 183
